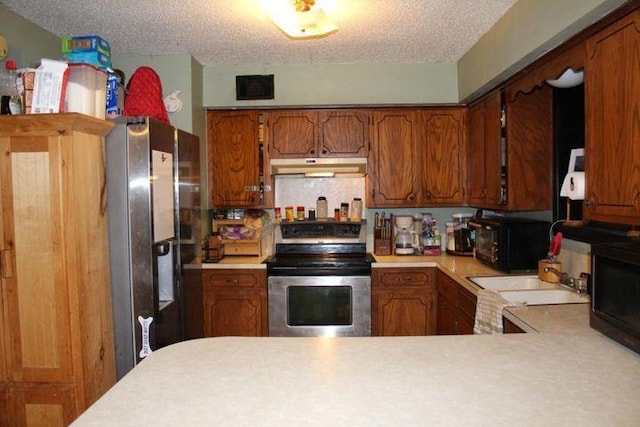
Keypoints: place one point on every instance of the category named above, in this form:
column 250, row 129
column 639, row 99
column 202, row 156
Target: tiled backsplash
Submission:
column 298, row 191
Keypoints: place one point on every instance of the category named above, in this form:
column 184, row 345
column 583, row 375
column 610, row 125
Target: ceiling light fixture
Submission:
column 301, row 19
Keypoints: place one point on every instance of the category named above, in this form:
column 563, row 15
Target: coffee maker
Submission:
column 406, row 239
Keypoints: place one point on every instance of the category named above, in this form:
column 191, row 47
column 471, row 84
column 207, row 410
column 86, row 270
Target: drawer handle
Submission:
column 232, row 281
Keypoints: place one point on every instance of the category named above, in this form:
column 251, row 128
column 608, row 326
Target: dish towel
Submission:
column 489, row 312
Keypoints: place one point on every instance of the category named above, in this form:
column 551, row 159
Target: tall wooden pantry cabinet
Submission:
column 56, row 334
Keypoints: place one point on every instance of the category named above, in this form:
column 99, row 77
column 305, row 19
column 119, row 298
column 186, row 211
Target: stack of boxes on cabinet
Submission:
column 81, row 82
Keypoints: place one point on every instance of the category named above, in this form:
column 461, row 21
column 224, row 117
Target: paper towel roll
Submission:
column 575, row 185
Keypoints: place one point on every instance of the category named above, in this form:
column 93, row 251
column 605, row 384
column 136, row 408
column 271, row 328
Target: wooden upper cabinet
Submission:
column 516, row 156
column 233, row 158
column 394, row 174
column 344, row 133
column 291, row 133
column 444, row 159
column 318, row 133
column 529, row 149
column 612, row 102
column 484, row 162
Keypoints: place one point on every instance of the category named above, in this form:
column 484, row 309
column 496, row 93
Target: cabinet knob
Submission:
column 411, row 197
column 427, row 195
column 325, row 152
column 312, row 151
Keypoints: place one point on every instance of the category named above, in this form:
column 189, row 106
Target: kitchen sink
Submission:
column 544, row 296
column 529, row 290
column 509, row 283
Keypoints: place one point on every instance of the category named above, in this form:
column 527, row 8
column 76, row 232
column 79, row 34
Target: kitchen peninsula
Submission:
column 563, row 373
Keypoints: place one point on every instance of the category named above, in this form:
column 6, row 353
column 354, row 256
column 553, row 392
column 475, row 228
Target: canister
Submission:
column 300, row 211
column 356, row 209
column 322, row 208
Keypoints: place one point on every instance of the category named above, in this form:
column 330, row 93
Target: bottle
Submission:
column 13, row 103
column 321, row 208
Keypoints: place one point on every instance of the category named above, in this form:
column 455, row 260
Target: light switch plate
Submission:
column 4, row 48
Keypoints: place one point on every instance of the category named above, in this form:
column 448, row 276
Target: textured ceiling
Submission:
column 238, row 31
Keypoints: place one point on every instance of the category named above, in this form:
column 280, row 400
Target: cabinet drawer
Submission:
column 226, row 278
column 405, row 277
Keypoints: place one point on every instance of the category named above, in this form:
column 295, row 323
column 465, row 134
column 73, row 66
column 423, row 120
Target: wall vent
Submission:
column 254, row 87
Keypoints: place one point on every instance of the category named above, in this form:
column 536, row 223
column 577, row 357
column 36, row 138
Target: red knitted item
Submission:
column 144, row 95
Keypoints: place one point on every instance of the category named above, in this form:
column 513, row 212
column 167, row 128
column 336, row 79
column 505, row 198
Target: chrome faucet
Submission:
column 578, row 284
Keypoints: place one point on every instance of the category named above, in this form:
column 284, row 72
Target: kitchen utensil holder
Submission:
column 382, row 247
column 548, row 276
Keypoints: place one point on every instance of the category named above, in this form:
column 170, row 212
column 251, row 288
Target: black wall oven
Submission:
column 615, row 292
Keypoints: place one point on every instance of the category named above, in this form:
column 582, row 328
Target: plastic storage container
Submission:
column 86, row 90
column 322, row 208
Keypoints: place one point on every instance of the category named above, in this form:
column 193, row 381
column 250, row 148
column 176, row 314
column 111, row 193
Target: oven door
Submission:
column 326, row 306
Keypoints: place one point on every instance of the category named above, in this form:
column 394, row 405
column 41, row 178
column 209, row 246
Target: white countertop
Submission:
column 517, row 379
column 565, row 373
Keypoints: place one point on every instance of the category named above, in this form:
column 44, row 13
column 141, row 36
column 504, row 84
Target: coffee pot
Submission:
column 407, row 240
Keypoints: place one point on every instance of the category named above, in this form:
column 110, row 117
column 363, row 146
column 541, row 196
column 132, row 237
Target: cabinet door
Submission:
column 529, row 149
column 402, row 314
column 235, row 303
column 193, row 304
column 475, row 156
column 484, row 160
column 233, row 159
column 446, row 319
column 45, row 406
column 394, row 176
column 465, row 311
column 344, row 133
column 612, row 101
column 443, row 165
column 34, row 278
column 291, row 134
column 493, row 152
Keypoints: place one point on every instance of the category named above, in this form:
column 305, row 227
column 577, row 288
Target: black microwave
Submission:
column 615, row 291
column 510, row 244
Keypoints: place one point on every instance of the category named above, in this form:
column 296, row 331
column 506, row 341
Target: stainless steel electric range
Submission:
column 320, row 280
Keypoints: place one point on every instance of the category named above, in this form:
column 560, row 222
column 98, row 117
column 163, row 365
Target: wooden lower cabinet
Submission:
column 235, row 303
column 51, row 406
column 456, row 307
column 403, row 302
column 193, row 312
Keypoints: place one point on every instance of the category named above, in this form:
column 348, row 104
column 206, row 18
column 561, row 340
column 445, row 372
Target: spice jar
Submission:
column 300, row 211
column 344, row 211
column 288, row 212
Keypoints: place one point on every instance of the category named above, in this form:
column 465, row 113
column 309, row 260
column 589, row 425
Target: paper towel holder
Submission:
column 576, row 166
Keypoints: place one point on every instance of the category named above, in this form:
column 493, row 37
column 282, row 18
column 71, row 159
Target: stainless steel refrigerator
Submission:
column 143, row 203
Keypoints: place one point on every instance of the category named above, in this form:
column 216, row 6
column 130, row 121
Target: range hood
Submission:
column 320, row 167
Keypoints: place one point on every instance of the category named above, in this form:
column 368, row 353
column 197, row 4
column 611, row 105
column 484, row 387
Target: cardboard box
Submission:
column 95, row 58
column 90, row 43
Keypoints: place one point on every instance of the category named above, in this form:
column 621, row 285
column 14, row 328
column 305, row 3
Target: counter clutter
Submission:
column 567, row 374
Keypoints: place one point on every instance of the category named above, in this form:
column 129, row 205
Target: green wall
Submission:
column 527, row 31
column 177, row 72
column 27, row 42
column 337, row 84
